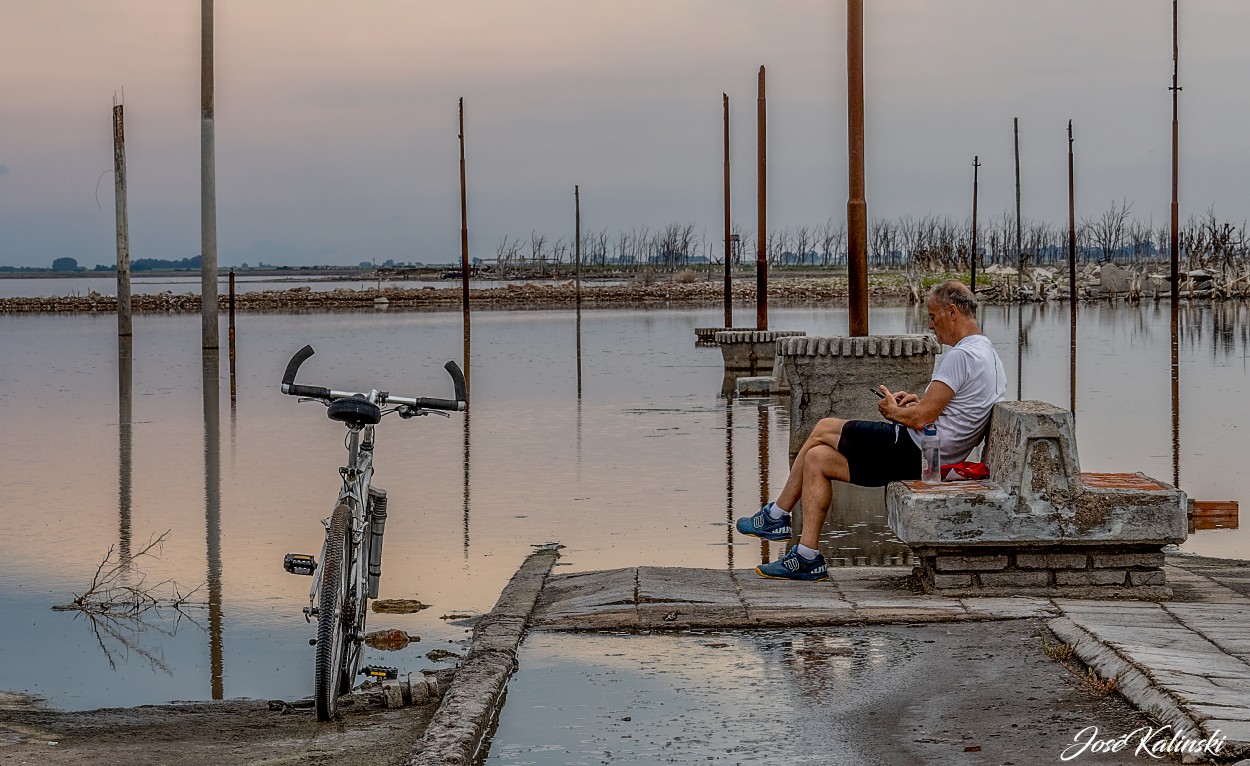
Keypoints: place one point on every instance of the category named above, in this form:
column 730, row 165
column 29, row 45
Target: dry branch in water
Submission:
column 119, row 586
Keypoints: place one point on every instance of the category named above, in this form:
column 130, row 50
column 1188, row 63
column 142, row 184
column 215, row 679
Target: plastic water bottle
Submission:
column 930, row 455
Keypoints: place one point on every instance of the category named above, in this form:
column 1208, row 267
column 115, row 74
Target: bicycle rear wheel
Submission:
column 333, row 616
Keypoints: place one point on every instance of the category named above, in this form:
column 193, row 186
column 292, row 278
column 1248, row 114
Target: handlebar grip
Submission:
column 440, row 404
column 292, row 367
column 314, row 392
column 457, row 378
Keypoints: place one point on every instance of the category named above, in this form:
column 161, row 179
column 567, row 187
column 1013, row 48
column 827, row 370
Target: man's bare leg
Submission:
column 821, row 464
column 827, row 433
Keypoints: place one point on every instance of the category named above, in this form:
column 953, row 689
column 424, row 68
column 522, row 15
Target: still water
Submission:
column 613, row 440
column 50, row 287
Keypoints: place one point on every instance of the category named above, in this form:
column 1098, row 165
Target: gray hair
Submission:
column 955, row 293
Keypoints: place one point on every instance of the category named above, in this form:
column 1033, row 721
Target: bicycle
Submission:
column 351, row 558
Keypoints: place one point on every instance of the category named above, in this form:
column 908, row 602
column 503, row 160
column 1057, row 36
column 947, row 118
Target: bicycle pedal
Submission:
column 299, row 563
column 379, row 672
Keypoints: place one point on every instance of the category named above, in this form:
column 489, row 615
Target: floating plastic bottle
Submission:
column 931, row 455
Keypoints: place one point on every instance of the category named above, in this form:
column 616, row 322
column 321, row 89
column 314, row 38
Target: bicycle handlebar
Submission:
column 290, row 388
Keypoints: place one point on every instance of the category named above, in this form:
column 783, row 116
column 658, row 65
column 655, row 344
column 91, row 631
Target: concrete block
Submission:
column 1150, row 577
column 1092, row 577
column 969, row 563
column 830, row 377
column 1125, row 560
column 952, row 581
column 1015, row 579
column 1052, row 560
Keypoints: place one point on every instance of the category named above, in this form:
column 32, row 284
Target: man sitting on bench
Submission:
column 967, row 383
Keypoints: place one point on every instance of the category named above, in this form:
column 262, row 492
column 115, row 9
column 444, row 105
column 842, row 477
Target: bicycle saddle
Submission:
column 354, row 411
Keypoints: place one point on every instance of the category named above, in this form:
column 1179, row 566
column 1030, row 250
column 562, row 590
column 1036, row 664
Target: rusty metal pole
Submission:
column 464, row 250
column 729, row 311
column 123, row 225
column 1173, row 242
column 577, row 243
column 761, row 248
column 1174, row 247
column 972, row 258
column 233, row 392
column 208, row 182
column 1072, row 272
column 1015, row 121
column 856, row 205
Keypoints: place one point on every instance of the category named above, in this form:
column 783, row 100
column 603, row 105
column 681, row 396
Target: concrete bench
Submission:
column 1037, row 525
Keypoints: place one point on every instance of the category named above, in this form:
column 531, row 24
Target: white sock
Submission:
column 775, row 512
column 805, row 552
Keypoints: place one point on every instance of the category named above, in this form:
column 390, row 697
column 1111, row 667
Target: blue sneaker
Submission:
column 792, row 566
column 760, row 525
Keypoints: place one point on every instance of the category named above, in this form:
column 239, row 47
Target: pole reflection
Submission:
column 467, row 450
column 212, row 512
column 125, row 484
column 729, row 482
column 763, row 444
column 1176, row 395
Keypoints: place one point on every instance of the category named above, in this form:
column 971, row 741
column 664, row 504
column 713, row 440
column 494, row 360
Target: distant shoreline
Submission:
column 787, row 291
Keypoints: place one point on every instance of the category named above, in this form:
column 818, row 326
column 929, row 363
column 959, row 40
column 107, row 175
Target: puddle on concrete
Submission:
column 892, row 696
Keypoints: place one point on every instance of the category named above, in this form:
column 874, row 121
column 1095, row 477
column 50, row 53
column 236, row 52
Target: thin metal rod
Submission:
column 729, row 312
column 1019, row 224
column 208, row 183
column 464, row 247
column 972, row 257
column 856, row 205
column 761, row 248
column 577, row 242
column 1072, row 271
column 123, row 225
column 1174, row 248
column 233, row 392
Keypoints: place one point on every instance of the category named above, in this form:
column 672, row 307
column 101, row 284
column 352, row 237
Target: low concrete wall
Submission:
column 750, row 351
column 832, row 376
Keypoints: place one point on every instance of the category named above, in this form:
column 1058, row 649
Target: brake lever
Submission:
column 303, row 399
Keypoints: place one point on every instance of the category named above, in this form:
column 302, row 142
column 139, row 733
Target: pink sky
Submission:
column 337, row 121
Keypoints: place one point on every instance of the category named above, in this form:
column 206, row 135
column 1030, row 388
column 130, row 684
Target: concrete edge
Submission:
column 471, row 704
column 1133, row 684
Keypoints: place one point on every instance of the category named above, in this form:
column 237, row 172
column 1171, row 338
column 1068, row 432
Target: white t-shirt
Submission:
column 975, row 373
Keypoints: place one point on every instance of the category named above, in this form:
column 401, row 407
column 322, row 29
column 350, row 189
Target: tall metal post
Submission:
column 856, row 205
column 1173, row 240
column 208, row 182
column 1072, row 272
column 1174, row 247
column 761, row 248
column 464, row 249
column 729, row 311
column 972, row 258
column 123, row 225
column 577, row 243
column 233, row 389
column 1015, row 121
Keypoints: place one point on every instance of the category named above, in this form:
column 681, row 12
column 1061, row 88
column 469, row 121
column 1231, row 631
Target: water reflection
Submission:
column 1176, row 395
column 212, row 512
column 468, row 368
column 730, row 519
column 125, row 422
column 763, row 445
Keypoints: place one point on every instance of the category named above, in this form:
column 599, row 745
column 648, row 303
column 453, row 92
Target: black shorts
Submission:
column 879, row 452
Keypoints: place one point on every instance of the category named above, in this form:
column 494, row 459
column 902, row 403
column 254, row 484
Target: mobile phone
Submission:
column 878, row 393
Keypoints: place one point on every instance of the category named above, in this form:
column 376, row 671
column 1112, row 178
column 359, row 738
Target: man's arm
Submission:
column 920, row 413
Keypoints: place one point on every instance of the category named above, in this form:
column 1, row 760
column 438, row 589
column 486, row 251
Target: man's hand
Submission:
column 893, row 401
column 912, row 411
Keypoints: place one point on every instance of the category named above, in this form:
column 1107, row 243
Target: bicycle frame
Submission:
column 356, row 492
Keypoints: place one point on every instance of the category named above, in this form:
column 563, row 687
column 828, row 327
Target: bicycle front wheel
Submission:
column 333, row 616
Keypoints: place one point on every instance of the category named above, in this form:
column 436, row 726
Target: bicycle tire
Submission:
column 331, row 616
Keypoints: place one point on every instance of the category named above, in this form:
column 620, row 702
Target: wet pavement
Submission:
column 1185, row 661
